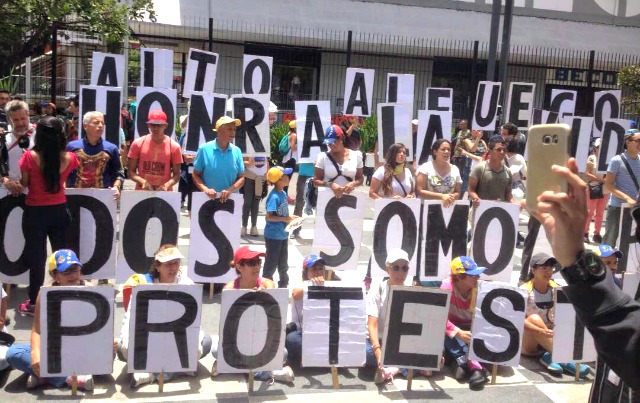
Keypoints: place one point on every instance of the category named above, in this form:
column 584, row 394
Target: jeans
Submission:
column 277, row 256
column 464, row 166
column 370, row 360
column 251, row 203
column 612, row 226
column 293, row 344
column 533, row 228
column 300, row 182
column 41, row 222
column 19, row 357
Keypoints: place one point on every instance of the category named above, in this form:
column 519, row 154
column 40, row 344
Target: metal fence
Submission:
column 309, row 64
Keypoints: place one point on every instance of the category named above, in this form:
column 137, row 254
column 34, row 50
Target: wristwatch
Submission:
column 588, row 268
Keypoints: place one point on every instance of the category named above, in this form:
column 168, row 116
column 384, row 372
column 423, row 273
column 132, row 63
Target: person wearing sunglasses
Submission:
column 397, row 267
column 66, row 270
column 463, row 284
column 538, row 324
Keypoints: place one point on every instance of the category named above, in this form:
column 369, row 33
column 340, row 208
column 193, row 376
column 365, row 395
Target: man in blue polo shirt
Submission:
column 99, row 159
column 218, row 169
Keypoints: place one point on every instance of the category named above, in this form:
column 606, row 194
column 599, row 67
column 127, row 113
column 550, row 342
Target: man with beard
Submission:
column 18, row 139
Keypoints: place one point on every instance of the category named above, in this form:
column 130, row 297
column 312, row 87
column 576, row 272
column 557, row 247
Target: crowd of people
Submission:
column 47, row 156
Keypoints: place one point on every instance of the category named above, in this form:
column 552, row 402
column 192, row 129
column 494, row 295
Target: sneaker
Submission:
column 295, row 233
column 141, row 378
column 477, row 380
column 254, row 231
column 597, row 238
column 243, row 231
column 461, row 373
column 214, row 369
column 34, row 382
column 283, row 375
column 26, row 308
column 570, row 367
column 85, row 382
column 552, row 367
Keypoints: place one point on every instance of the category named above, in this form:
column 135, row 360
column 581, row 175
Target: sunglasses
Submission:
column 252, row 262
column 404, row 268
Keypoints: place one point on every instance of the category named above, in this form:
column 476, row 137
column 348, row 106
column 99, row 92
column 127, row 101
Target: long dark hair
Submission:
column 389, row 165
column 436, row 146
column 50, row 141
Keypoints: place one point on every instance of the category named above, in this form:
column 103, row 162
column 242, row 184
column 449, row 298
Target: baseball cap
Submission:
column 311, row 260
column 466, row 265
column 414, row 122
column 245, row 253
column 630, row 133
column 225, row 120
column 396, row 254
column 605, row 250
column 292, row 124
column 541, row 258
column 331, row 134
column 274, row 174
column 62, row 259
column 167, row 255
column 157, row 117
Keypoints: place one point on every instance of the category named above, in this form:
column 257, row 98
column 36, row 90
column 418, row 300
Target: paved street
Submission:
column 529, row 381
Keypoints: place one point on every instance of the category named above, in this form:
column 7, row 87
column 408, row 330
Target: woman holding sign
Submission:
column 65, row 269
column 164, row 270
column 439, row 179
column 393, row 179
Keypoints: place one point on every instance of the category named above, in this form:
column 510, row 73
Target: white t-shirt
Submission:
column 396, row 184
column 349, row 167
column 440, row 184
column 376, row 300
column 15, row 153
column 517, row 161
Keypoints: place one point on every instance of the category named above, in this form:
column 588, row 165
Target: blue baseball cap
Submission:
column 311, row 260
column 332, row 133
column 466, row 265
column 62, row 260
column 605, row 250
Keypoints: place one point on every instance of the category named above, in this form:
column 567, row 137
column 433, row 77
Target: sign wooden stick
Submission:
column 409, row 378
column 577, row 371
column 74, row 384
column 161, row 382
column 250, row 383
column 494, row 373
column 334, row 378
column 210, row 290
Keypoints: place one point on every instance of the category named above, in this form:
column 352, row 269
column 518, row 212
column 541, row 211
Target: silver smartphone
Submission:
column 546, row 145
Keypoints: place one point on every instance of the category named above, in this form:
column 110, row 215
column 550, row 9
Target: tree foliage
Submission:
column 27, row 25
column 629, row 76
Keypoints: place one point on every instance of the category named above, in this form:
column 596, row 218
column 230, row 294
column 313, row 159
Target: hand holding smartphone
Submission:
column 547, row 145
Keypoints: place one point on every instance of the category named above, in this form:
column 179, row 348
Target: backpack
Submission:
column 283, row 145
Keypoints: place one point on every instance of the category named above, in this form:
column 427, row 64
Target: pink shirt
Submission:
column 155, row 159
column 38, row 195
column 460, row 313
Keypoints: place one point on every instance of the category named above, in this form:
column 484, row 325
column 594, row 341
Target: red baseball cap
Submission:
column 157, row 117
column 245, row 253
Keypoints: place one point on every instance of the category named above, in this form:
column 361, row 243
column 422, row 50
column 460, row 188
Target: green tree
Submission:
column 27, row 25
column 629, row 76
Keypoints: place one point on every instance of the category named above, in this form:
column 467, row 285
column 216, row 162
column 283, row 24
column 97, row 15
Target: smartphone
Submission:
column 546, row 145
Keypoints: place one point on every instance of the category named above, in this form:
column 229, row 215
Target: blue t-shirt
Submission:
column 623, row 181
column 219, row 169
column 277, row 204
column 99, row 164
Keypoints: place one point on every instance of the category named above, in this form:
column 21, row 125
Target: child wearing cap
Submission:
column 609, row 257
column 275, row 237
column 463, row 284
column 65, row 269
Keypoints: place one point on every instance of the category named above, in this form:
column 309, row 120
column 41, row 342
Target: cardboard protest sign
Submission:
column 204, row 111
column 106, row 100
column 338, row 229
column 563, row 102
column 252, row 136
column 215, row 234
column 606, row 106
column 394, row 126
column 541, row 116
column 631, row 284
column 257, row 72
column 445, row 237
column 439, row 99
column 107, row 69
column 200, row 74
column 520, row 104
column 164, row 327
column 416, row 320
column 486, row 107
column 156, row 68
column 252, row 330
column 571, row 341
column 312, row 119
column 92, row 233
column 498, row 324
column 432, row 126
column 580, row 138
column 494, row 239
column 396, row 223
column 13, row 269
column 334, row 332
column 400, row 89
column 358, row 91
column 155, row 98
column 628, row 244
column 76, row 330
column 613, row 131
column 147, row 221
